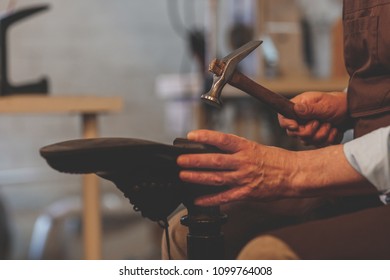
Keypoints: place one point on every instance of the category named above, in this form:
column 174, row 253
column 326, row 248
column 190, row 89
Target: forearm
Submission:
column 251, row 171
column 325, row 172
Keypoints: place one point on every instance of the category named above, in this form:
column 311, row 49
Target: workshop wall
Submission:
column 89, row 47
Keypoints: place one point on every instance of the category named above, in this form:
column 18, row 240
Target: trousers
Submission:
column 297, row 229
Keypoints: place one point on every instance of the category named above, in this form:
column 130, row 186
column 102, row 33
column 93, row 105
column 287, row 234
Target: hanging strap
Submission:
column 164, row 224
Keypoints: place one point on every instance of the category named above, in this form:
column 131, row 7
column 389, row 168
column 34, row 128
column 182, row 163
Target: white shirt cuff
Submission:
column 370, row 156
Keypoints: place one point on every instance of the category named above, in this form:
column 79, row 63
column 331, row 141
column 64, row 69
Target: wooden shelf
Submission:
column 59, row 104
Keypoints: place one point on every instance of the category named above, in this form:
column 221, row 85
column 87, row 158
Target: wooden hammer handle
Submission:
column 279, row 103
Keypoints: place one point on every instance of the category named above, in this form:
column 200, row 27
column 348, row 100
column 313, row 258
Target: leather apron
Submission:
column 361, row 234
column 367, row 59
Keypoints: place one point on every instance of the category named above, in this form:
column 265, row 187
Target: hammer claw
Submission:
column 240, row 53
column 225, row 72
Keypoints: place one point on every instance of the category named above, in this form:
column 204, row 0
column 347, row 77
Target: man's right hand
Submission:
column 326, row 115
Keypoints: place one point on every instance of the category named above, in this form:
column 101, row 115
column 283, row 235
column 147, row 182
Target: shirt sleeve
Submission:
column 370, row 156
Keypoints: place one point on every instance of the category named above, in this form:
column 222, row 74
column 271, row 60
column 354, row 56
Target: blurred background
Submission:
column 152, row 54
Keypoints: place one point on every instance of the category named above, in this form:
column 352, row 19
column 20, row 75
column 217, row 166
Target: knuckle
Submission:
column 323, row 133
column 224, row 139
column 240, row 161
column 320, row 136
column 216, row 161
column 224, row 198
column 307, row 131
column 218, row 180
column 252, row 145
column 245, row 176
column 194, row 162
column 244, row 181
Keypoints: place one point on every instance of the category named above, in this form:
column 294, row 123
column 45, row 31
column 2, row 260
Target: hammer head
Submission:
column 223, row 69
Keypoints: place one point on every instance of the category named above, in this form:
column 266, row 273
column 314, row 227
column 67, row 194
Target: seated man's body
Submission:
column 344, row 181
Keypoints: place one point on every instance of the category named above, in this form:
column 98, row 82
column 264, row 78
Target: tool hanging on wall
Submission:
column 242, row 29
column 6, row 88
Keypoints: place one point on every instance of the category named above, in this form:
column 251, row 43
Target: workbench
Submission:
column 88, row 107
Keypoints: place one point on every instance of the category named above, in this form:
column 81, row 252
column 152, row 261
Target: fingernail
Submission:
column 182, row 160
column 199, row 202
column 191, row 135
column 292, row 127
column 300, row 108
column 184, row 175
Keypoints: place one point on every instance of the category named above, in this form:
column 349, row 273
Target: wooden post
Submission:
column 338, row 65
column 91, row 200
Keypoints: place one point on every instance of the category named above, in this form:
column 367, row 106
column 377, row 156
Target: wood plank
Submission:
column 59, row 104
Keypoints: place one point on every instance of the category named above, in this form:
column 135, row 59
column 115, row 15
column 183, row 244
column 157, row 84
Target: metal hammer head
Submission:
column 223, row 69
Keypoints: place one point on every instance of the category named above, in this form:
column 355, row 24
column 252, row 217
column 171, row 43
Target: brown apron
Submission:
column 367, row 59
column 361, row 234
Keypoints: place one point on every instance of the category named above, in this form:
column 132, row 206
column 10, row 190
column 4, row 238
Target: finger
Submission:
column 331, row 139
column 291, row 133
column 310, row 129
column 214, row 178
column 231, row 195
column 305, row 131
column 307, row 97
column 302, row 110
column 335, row 136
column 208, row 161
column 311, row 110
column 308, row 112
column 322, row 134
column 225, row 142
column 289, row 124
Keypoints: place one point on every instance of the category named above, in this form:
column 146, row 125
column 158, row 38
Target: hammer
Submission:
column 224, row 71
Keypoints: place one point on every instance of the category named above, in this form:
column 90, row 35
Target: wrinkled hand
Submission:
column 326, row 114
column 250, row 170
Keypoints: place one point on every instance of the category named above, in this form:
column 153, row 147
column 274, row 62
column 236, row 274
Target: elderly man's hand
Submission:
column 250, row 170
column 326, row 115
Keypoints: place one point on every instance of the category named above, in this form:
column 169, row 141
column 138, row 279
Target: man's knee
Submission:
column 267, row 247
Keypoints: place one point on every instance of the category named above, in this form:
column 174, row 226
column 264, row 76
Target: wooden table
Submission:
column 88, row 107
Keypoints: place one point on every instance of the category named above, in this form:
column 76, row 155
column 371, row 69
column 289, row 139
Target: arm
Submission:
column 254, row 171
column 327, row 171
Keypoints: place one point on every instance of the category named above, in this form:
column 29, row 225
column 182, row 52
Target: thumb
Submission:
column 301, row 109
column 308, row 112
